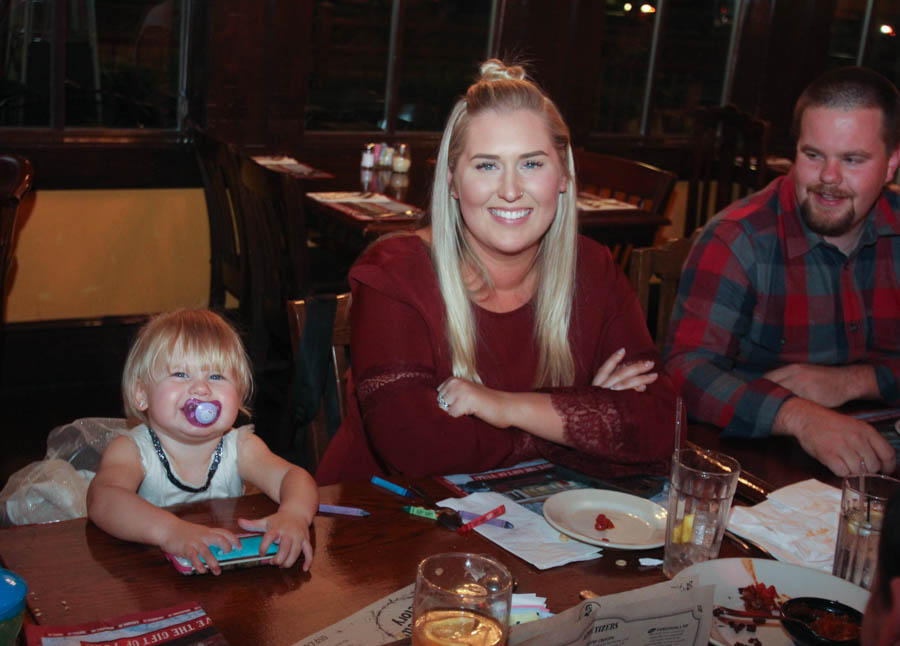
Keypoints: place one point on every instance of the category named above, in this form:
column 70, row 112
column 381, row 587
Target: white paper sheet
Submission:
column 531, row 539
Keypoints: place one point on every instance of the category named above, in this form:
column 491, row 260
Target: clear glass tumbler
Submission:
column 461, row 599
column 863, row 500
column 701, row 489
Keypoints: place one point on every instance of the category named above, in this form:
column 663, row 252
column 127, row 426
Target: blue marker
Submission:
column 393, row 488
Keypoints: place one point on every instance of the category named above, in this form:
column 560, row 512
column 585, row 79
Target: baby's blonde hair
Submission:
column 197, row 336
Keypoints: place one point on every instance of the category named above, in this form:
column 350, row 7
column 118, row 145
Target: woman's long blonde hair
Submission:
column 506, row 89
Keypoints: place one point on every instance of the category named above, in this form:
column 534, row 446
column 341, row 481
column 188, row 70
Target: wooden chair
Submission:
column 250, row 260
column 655, row 271
column 333, row 369
column 16, row 175
column 643, row 185
column 279, row 266
column 229, row 266
column 730, row 152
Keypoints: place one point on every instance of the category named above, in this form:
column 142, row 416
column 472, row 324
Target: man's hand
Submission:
column 842, row 443
column 828, row 386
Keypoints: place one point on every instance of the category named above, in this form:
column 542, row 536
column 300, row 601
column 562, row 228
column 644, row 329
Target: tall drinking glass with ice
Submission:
column 863, row 499
column 701, row 489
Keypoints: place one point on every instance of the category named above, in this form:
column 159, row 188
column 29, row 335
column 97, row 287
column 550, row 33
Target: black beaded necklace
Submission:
column 217, row 457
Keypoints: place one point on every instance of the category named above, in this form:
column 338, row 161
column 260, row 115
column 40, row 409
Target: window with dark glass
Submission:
column 120, row 60
column 443, row 43
column 692, row 63
column 882, row 45
column 348, row 64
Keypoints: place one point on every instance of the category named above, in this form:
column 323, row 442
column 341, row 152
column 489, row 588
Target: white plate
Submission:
column 639, row 523
column 789, row 580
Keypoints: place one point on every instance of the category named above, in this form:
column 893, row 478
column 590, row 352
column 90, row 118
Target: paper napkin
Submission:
column 531, row 538
column 797, row 523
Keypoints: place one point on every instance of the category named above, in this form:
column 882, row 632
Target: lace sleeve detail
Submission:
column 607, row 437
column 592, row 422
column 374, row 385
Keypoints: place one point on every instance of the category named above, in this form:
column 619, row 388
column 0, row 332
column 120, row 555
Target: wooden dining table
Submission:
column 77, row 573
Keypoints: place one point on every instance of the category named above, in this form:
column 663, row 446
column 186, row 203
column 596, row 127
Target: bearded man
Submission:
column 789, row 303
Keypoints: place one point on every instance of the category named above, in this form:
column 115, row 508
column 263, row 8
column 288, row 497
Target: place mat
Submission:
column 367, row 206
column 531, row 539
column 591, row 202
column 797, row 524
column 289, row 165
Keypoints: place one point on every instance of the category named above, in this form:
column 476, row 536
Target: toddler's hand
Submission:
column 289, row 531
column 192, row 541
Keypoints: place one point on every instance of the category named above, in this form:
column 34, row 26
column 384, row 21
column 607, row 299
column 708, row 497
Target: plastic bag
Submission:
column 56, row 487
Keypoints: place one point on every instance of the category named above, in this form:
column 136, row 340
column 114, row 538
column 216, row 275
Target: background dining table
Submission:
column 77, row 573
column 609, row 223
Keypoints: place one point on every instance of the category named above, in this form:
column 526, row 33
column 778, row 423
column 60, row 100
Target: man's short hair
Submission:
column 849, row 88
column 888, row 554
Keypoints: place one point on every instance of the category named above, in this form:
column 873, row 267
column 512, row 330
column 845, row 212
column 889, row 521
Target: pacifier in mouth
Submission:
column 201, row 413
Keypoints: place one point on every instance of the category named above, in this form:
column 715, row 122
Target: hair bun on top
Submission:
column 494, row 70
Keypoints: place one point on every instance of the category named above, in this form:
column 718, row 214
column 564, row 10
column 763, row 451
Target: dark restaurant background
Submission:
column 102, row 96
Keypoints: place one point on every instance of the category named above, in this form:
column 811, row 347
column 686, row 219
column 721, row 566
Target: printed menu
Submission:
column 186, row 624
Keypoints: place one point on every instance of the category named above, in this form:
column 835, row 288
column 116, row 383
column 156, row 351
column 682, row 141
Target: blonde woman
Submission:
column 497, row 334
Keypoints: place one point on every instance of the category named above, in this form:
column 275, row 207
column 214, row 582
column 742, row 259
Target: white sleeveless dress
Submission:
column 156, row 488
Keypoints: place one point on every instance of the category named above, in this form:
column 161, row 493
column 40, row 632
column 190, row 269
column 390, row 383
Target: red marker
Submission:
column 493, row 513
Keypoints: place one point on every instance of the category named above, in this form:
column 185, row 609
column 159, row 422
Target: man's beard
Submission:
column 833, row 224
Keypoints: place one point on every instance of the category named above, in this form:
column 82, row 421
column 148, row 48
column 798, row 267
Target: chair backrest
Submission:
column 730, row 151
column 16, row 175
column 276, row 200
column 647, row 187
column 229, row 265
column 655, row 272
column 336, row 367
column 643, row 185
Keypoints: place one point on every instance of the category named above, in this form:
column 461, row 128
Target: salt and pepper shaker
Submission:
column 386, row 159
column 401, row 161
column 399, row 184
column 368, row 156
column 367, row 180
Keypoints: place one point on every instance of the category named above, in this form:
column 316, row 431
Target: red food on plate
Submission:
column 603, row 523
column 759, row 597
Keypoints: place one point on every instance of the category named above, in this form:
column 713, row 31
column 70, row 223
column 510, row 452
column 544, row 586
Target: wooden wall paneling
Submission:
column 582, row 66
column 234, row 57
column 286, row 68
column 254, row 70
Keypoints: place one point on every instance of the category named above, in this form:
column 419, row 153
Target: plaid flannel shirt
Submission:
column 760, row 290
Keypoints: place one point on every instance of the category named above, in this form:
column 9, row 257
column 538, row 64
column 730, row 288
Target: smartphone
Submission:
column 247, row 555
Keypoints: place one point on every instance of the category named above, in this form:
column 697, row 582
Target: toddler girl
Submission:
column 186, row 378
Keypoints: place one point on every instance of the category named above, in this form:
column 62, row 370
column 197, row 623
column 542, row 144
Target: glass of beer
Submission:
column 863, row 499
column 461, row 599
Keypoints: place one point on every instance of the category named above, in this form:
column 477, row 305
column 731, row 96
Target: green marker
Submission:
column 421, row 511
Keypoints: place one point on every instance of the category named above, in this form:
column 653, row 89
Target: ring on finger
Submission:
column 443, row 402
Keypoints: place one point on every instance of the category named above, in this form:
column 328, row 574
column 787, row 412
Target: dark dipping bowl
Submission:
column 808, row 610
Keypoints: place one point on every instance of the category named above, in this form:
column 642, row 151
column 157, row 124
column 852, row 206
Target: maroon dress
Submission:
column 399, row 355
